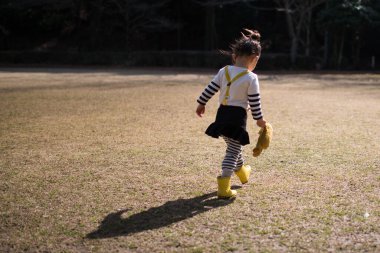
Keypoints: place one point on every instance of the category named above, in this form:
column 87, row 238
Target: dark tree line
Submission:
column 338, row 32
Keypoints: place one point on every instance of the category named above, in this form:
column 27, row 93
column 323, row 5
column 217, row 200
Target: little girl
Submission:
column 239, row 90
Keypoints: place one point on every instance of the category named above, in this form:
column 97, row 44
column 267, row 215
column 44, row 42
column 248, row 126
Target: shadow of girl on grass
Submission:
column 156, row 217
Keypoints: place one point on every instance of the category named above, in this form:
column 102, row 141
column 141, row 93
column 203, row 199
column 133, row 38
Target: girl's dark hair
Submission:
column 248, row 44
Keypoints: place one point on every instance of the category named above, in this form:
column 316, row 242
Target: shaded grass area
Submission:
column 103, row 160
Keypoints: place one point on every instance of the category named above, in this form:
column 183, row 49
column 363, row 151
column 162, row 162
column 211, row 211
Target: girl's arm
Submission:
column 261, row 123
column 255, row 102
column 210, row 90
column 200, row 110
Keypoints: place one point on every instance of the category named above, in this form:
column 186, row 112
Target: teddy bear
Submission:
column 265, row 137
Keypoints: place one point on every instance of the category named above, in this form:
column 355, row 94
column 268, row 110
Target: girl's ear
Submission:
column 253, row 58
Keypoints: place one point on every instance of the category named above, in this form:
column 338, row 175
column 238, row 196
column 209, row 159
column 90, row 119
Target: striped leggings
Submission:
column 233, row 159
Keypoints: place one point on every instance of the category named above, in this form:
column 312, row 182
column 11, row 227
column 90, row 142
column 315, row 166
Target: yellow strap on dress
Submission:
column 228, row 77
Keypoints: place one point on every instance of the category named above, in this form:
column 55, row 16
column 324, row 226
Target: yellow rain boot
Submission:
column 243, row 173
column 224, row 188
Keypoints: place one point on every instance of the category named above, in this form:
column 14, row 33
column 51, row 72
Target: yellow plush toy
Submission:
column 264, row 139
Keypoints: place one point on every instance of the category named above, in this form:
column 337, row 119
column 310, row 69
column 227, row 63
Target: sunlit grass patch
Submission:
column 124, row 158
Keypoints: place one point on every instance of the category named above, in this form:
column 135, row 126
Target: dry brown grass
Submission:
column 114, row 160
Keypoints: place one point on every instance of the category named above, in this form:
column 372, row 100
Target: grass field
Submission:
column 112, row 160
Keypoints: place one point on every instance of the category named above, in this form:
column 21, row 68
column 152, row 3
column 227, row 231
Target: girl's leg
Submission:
column 232, row 158
column 240, row 162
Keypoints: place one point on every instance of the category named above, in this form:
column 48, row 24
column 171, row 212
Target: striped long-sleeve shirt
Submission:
column 208, row 92
column 244, row 92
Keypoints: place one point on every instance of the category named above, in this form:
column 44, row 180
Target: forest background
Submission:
column 296, row 34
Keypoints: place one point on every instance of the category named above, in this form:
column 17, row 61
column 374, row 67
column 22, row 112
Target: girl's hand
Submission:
column 200, row 110
column 261, row 123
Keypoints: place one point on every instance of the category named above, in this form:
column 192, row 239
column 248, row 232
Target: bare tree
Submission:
column 298, row 14
column 132, row 19
column 22, row 4
column 346, row 21
column 211, row 35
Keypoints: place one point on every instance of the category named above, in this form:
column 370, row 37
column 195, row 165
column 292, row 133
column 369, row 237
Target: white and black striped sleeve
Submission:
column 210, row 90
column 254, row 100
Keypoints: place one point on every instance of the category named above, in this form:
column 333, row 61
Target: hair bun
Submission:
column 252, row 34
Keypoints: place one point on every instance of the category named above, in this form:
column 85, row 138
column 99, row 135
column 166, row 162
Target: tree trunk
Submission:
column 292, row 33
column 293, row 50
column 356, row 49
column 326, row 49
column 210, row 33
column 308, row 33
column 334, row 59
column 340, row 56
column 179, row 25
column 326, row 46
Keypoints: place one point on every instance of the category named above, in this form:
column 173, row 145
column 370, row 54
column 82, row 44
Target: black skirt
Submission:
column 231, row 121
